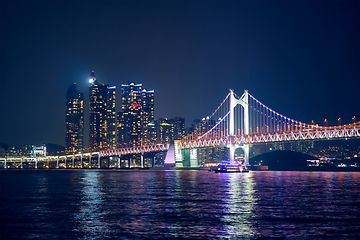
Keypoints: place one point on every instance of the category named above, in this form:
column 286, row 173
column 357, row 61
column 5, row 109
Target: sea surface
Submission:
column 113, row 204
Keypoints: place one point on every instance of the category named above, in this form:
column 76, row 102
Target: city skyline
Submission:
column 300, row 59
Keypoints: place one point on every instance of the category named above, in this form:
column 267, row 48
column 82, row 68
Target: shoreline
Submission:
column 312, row 169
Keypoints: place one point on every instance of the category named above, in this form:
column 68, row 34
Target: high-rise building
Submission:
column 168, row 130
column 111, row 117
column 152, row 132
column 165, row 130
column 179, row 128
column 102, row 115
column 74, row 127
column 200, row 127
column 137, row 112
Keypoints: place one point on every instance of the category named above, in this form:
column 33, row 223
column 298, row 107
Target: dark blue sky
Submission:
column 300, row 58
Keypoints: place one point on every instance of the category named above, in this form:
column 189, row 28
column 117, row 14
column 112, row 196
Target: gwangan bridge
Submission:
column 238, row 122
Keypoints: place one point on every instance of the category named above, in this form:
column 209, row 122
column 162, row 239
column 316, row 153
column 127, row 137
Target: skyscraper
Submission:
column 179, row 128
column 74, row 116
column 102, row 115
column 111, row 117
column 165, row 130
column 169, row 130
column 137, row 112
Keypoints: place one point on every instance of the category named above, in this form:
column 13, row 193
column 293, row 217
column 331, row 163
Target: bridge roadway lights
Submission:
column 244, row 141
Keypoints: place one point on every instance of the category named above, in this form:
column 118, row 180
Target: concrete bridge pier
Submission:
column 193, row 157
column 184, row 157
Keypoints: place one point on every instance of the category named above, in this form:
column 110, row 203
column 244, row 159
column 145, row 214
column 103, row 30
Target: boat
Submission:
column 227, row 167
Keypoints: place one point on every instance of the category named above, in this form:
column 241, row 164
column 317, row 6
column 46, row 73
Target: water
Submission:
column 95, row 204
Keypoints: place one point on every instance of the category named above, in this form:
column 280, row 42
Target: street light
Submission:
column 353, row 118
column 339, row 120
column 325, row 122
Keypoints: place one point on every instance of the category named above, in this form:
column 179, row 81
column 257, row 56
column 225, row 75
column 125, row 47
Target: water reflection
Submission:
column 239, row 203
column 88, row 204
column 90, row 219
column 203, row 205
column 303, row 204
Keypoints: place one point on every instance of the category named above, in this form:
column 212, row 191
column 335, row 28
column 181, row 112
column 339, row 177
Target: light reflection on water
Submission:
column 240, row 202
column 91, row 204
column 90, row 218
column 307, row 204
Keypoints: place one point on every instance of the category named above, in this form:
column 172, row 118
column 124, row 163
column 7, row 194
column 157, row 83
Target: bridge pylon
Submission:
column 244, row 102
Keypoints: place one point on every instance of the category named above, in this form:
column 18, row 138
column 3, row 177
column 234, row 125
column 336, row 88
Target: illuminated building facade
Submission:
column 39, row 151
column 210, row 155
column 102, row 115
column 111, row 117
column 168, row 130
column 28, row 150
column 152, row 132
column 74, row 115
column 165, row 130
column 136, row 117
column 179, row 128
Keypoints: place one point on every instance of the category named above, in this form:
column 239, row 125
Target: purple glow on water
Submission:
column 91, row 204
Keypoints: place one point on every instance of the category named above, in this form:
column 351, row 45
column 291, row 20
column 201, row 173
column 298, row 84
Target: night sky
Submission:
column 300, row 58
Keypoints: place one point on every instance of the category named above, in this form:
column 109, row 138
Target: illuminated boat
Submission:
column 227, row 167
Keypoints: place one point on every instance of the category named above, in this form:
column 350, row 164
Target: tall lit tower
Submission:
column 137, row 112
column 179, row 128
column 102, row 114
column 74, row 115
column 111, row 117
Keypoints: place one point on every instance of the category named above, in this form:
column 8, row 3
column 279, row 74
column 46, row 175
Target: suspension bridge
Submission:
column 238, row 122
column 241, row 121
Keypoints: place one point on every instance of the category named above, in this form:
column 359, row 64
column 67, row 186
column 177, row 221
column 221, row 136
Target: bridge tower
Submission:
column 244, row 102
